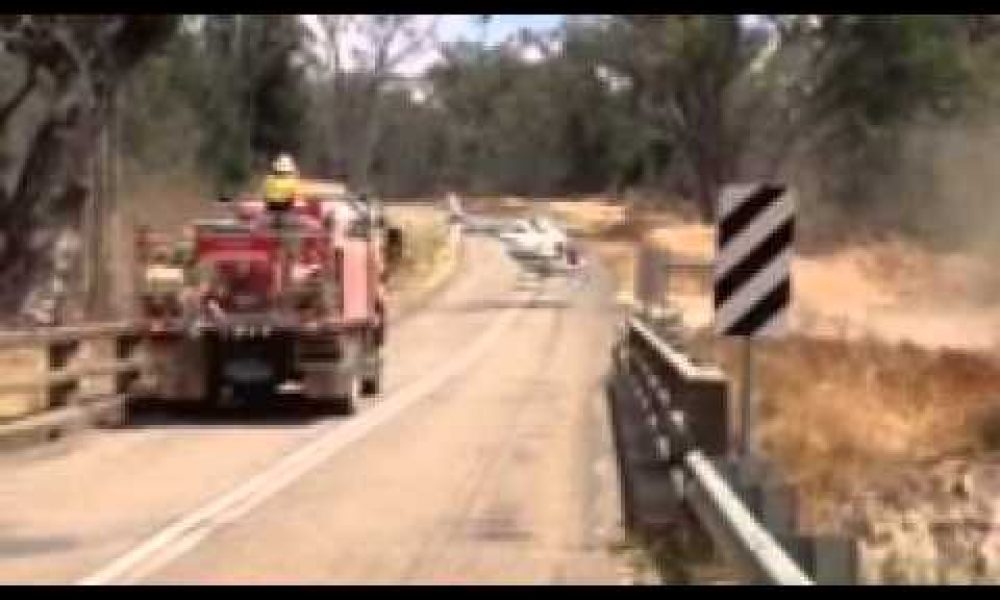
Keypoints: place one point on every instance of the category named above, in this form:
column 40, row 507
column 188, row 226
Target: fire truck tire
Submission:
column 372, row 386
column 347, row 400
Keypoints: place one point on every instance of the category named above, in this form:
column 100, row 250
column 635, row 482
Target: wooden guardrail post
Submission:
column 61, row 354
column 87, row 378
column 126, row 345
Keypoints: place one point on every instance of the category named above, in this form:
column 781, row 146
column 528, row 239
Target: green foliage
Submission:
column 681, row 103
column 524, row 127
column 229, row 90
column 871, row 78
column 160, row 126
column 887, row 68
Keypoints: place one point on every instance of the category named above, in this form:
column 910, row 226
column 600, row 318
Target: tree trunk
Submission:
column 84, row 59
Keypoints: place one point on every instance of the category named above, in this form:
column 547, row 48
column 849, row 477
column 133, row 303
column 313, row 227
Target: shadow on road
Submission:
column 21, row 546
column 150, row 414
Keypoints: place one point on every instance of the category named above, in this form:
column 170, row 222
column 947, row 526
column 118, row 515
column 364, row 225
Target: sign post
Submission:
column 748, row 402
column 649, row 280
column 752, row 277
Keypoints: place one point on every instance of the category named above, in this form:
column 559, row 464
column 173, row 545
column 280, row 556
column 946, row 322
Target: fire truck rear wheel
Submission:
column 372, row 386
column 347, row 401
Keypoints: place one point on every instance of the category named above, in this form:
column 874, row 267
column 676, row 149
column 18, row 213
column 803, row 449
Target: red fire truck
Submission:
column 264, row 308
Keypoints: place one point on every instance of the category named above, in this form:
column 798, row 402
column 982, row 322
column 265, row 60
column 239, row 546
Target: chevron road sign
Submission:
column 752, row 270
column 752, row 277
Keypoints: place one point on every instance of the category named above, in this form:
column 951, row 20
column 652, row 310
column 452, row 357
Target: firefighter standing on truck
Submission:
column 281, row 188
column 281, row 191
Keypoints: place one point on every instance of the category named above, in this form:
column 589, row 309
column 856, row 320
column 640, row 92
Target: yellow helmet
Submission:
column 284, row 165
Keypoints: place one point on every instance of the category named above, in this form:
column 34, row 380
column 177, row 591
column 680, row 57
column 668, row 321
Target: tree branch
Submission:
column 15, row 101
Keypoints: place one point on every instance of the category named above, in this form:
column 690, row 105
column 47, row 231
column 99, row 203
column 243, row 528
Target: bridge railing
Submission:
column 674, row 436
column 59, row 379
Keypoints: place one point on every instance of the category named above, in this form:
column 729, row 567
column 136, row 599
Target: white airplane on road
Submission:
column 535, row 238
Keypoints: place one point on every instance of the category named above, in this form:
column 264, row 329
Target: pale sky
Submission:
column 452, row 28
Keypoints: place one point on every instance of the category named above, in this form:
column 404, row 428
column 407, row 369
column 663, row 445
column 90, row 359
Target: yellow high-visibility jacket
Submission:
column 280, row 189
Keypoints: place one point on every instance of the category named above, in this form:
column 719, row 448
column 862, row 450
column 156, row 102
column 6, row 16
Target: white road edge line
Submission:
column 184, row 534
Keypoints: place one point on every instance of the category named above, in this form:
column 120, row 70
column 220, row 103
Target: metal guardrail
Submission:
column 60, row 394
column 683, row 408
column 734, row 528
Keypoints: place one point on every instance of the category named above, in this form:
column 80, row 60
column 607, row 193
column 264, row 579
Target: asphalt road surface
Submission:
column 487, row 460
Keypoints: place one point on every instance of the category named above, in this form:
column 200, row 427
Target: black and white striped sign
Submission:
column 752, row 271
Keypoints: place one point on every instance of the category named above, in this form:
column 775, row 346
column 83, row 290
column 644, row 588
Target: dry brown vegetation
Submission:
column 425, row 249
column 838, row 415
column 893, row 367
column 889, row 287
column 21, row 365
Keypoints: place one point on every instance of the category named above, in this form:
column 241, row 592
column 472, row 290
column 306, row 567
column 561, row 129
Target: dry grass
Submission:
column 892, row 367
column 888, row 287
column 837, row 415
column 21, row 365
column 499, row 206
column 425, row 236
column 27, row 364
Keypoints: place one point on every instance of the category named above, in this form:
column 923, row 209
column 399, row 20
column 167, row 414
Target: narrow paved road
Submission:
column 487, row 459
